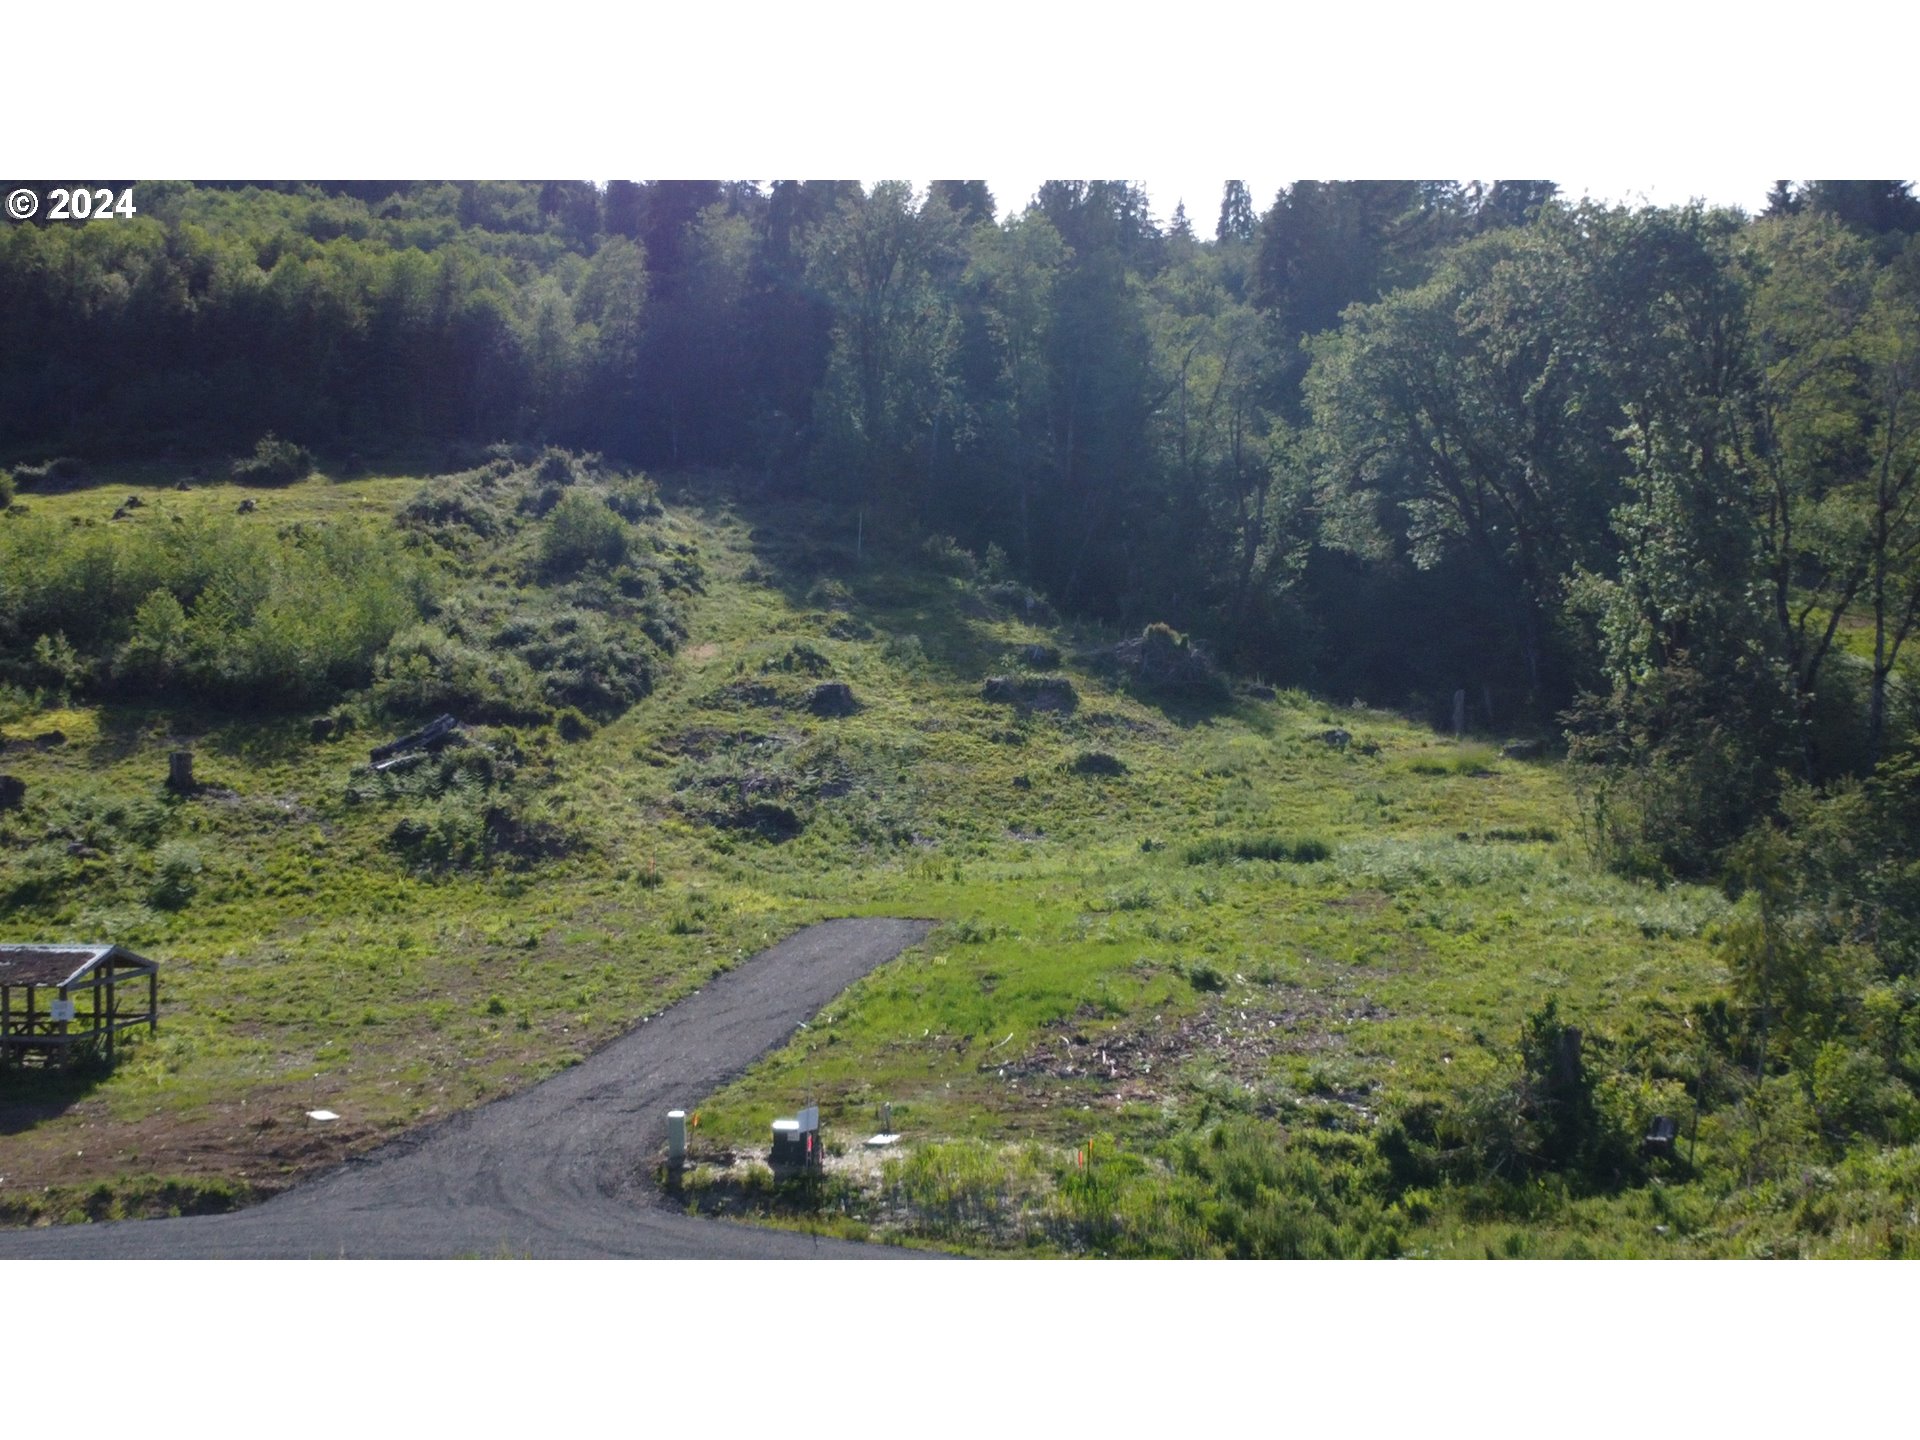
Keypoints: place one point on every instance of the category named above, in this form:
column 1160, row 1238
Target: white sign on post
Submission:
column 62, row 1010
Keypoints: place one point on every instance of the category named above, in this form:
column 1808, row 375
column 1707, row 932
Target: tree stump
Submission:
column 832, row 698
column 180, row 772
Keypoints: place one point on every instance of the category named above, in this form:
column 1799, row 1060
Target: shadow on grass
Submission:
column 29, row 1095
column 823, row 556
column 871, row 566
column 125, row 731
column 261, row 740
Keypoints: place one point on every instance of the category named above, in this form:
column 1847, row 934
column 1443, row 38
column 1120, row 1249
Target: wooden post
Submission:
column 153, row 1001
column 180, row 772
column 1459, row 713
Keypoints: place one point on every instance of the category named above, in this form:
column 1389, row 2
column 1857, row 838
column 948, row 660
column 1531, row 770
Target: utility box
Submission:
column 796, row 1141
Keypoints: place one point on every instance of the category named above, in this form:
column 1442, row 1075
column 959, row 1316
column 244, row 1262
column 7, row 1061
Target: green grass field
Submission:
column 1222, row 964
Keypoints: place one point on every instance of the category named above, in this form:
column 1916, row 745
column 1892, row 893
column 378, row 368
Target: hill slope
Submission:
column 1217, row 973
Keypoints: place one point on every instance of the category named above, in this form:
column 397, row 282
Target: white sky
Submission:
column 1665, row 97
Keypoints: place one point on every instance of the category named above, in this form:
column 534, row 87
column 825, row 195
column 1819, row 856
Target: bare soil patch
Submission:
column 1074, row 1059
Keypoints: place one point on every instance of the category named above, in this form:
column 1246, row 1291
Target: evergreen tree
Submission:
column 1236, row 213
column 624, row 208
column 1514, row 202
column 969, row 199
column 1871, row 207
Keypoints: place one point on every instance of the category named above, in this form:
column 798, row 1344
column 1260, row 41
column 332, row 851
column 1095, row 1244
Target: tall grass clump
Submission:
column 1468, row 760
column 1218, row 849
column 177, row 866
column 955, row 1187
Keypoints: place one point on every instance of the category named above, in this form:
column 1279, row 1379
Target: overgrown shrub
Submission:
column 159, row 649
column 1552, row 1115
column 60, row 667
column 273, row 462
column 560, row 467
column 455, row 504
column 582, row 659
column 211, row 608
column 58, row 474
column 1672, row 774
column 425, row 671
column 634, row 498
column 581, row 531
column 944, row 554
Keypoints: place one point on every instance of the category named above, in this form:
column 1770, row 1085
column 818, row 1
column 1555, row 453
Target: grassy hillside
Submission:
column 1220, row 972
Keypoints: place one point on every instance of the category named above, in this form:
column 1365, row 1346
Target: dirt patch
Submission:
column 1142, row 1059
column 700, row 654
column 254, row 1150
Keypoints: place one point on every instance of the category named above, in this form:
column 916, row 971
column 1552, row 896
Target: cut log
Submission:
column 431, row 736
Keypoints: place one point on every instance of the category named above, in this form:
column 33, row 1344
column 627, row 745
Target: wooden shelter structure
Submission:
column 55, row 999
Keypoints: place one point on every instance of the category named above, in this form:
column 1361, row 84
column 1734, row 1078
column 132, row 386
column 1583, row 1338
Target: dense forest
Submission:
column 1642, row 482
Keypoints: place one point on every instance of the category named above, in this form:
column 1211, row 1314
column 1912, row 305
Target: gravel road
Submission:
column 554, row 1172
